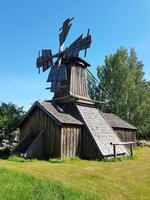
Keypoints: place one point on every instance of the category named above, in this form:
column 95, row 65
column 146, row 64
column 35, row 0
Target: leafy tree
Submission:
column 10, row 116
column 122, row 76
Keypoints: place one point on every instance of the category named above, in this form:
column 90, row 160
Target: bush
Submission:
column 10, row 116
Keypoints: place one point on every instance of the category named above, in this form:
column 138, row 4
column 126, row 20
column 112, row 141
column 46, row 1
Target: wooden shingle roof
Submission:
column 59, row 114
column 53, row 112
column 100, row 130
column 117, row 122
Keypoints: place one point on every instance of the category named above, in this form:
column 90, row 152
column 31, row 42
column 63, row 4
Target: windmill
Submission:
column 58, row 71
column 70, row 124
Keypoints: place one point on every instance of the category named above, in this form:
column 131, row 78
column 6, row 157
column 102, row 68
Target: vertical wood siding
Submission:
column 126, row 135
column 70, row 141
column 78, row 81
column 37, row 121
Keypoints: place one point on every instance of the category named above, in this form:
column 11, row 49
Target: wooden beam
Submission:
column 114, row 148
column 131, row 150
column 123, row 143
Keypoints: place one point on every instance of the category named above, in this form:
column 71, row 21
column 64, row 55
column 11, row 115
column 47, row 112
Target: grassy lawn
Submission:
column 20, row 186
column 126, row 179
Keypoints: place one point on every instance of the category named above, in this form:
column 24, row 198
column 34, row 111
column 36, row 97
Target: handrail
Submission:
column 122, row 143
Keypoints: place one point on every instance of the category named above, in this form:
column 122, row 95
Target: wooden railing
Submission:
column 122, row 143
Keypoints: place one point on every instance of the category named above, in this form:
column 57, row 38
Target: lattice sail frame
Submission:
column 58, row 71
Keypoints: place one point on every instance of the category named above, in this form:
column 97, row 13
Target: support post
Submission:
column 131, row 150
column 114, row 148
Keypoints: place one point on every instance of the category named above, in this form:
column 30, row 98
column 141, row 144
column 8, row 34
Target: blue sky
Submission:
column 27, row 26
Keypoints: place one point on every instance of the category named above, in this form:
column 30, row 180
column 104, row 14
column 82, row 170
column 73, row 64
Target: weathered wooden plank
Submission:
column 78, row 83
column 51, row 140
column 61, row 143
column 121, row 143
column 58, row 144
column 99, row 129
column 64, row 142
column 68, row 141
column 71, row 139
column 77, row 140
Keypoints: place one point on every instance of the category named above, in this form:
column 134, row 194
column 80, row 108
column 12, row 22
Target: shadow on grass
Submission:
column 4, row 157
column 16, row 158
column 119, row 159
column 59, row 160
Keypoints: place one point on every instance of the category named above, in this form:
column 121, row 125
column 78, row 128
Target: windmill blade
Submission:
column 64, row 31
column 78, row 45
column 45, row 60
column 86, row 42
column 62, row 73
column 90, row 42
column 57, row 73
column 52, row 74
column 54, row 86
column 74, row 48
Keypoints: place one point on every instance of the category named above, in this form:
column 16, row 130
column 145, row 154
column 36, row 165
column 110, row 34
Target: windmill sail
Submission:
column 55, row 85
column 64, row 30
column 78, row 45
column 58, row 72
column 45, row 60
column 86, row 42
column 74, row 48
column 56, row 76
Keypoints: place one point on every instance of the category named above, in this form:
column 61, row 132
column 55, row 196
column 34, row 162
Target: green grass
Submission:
column 16, row 158
column 120, row 159
column 124, row 179
column 55, row 160
column 58, row 160
column 20, row 186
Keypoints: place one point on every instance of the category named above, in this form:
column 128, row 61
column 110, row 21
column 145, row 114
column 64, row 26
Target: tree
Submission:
column 10, row 116
column 122, row 76
column 94, row 90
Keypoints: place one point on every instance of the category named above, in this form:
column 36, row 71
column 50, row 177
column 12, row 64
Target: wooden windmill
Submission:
column 69, row 124
column 68, row 74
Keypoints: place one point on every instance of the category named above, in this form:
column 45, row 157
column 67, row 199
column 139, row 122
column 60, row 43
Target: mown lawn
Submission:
column 20, row 186
column 126, row 179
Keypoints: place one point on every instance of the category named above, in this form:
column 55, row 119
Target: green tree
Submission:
column 10, row 116
column 122, row 76
column 94, row 90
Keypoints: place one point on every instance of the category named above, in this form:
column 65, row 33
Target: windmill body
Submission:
column 69, row 124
